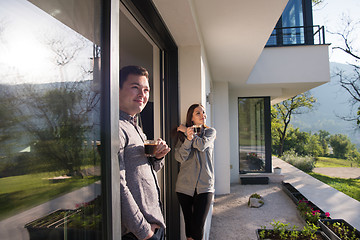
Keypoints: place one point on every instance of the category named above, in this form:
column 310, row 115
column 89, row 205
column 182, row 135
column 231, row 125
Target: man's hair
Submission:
column 135, row 70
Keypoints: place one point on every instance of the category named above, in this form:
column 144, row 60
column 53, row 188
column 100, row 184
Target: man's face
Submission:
column 134, row 94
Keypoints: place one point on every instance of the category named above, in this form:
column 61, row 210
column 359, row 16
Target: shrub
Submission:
column 304, row 163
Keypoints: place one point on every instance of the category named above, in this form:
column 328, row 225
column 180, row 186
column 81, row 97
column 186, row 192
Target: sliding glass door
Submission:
column 50, row 164
column 254, row 117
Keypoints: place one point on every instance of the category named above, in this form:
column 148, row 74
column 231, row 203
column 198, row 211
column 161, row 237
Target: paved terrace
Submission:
column 325, row 197
column 233, row 219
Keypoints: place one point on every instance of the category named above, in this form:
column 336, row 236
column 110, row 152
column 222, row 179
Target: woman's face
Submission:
column 199, row 116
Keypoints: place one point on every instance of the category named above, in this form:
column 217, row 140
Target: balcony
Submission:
column 303, row 35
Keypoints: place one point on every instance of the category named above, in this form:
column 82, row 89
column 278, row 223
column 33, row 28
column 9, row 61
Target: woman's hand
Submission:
column 182, row 128
column 190, row 133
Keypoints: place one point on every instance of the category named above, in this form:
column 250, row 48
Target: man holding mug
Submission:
column 141, row 215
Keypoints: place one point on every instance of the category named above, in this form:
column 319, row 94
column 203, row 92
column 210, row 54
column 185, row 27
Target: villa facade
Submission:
column 235, row 57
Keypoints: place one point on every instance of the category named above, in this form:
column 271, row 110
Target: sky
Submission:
column 332, row 99
column 26, row 55
column 329, row 14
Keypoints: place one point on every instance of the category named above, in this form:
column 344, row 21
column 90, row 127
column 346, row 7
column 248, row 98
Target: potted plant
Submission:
column 285, row 231
column 84, row 222
column 338, row 229
column 310, row 212
column 277, row 170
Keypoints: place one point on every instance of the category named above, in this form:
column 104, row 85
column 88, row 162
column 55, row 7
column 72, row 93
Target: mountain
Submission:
column 333, row 102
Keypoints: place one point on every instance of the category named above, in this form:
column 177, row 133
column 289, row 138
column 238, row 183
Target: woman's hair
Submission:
column 189, row 122
column 190, row 112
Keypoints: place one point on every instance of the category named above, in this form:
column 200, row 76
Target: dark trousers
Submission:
column 159, row 235
column 195, row 209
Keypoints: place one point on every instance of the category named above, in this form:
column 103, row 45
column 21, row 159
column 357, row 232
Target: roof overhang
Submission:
column 232, row 32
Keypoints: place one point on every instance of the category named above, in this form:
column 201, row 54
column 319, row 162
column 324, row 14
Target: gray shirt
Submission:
column 140, row 193
column 197, row 163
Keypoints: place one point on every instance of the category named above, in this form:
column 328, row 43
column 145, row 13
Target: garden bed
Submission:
column 338, row 229
column 71, row 224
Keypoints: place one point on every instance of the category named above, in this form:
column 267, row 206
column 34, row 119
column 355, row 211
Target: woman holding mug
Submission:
column 195, row 182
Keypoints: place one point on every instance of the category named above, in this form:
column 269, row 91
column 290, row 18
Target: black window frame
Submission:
column 147, row 16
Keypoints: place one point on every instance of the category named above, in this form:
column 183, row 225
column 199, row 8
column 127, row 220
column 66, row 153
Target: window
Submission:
column 295, row 26
column 50, row 121
column 254, row 138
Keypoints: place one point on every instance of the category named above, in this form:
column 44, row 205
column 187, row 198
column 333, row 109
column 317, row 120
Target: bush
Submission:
column 304, row 163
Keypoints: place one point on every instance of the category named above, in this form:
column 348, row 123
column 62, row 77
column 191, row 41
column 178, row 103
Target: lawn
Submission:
column 350, row 187
column 19, row 193
column 334, row 162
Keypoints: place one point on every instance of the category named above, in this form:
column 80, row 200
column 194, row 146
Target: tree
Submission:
column 57, row 115
column 282, row 113
column 58, row 122
column 317, row 2
column 296, row 140
column 303, row 143
column 343, row 148
column 350, row 81
column 324, row 141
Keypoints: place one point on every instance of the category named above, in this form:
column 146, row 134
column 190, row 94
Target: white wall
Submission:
column 222, row 143
column 293, row 64
column 194, row 84
column 234, row 138
column 189, row 78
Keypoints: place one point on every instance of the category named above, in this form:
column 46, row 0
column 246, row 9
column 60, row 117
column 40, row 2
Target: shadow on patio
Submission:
column 233, row 219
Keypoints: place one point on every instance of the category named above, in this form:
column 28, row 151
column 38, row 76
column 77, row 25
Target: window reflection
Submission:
column 251, row 135
column 49, row 127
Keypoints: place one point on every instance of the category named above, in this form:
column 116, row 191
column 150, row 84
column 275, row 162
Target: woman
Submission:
column 195, row 182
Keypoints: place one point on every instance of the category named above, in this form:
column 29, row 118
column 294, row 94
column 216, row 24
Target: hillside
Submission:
column 333, row 102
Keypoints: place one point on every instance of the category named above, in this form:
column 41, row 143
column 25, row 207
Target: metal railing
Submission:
column 304, row 35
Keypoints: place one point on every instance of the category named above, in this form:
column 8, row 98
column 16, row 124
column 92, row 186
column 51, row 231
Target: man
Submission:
column 141, row 215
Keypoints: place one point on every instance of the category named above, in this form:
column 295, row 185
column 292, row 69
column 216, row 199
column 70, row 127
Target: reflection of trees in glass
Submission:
column 57, row 117
column 9, row 133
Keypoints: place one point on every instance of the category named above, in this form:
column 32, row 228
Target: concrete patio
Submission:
column 233, row 219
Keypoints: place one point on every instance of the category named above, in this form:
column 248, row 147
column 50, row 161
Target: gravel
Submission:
column 233, row 219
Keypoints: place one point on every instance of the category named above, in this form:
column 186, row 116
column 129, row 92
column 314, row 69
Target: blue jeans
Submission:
column 158, row 235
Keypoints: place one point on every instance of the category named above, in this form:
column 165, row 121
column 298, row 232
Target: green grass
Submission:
column 19, row 193
column 350, row 187
column 334, row 162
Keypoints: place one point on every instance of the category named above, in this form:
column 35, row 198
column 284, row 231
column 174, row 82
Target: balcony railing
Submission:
column 288, row 36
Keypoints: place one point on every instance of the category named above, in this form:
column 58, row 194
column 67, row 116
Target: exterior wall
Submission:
column 207, row 92
column 234, row 138
column 287, row 65
column 190, row 79
column 195, row 81
column 222, row 144
column 194, row 85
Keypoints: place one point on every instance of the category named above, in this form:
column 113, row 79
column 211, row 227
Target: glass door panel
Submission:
column 251, row 135
column 49, row 120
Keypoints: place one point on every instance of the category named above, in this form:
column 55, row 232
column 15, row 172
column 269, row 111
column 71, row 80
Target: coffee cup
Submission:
column 150, row 148
column 197, row 129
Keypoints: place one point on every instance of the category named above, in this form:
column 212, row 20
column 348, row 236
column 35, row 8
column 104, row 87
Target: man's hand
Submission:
column 162, row 149
column 152, row 232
